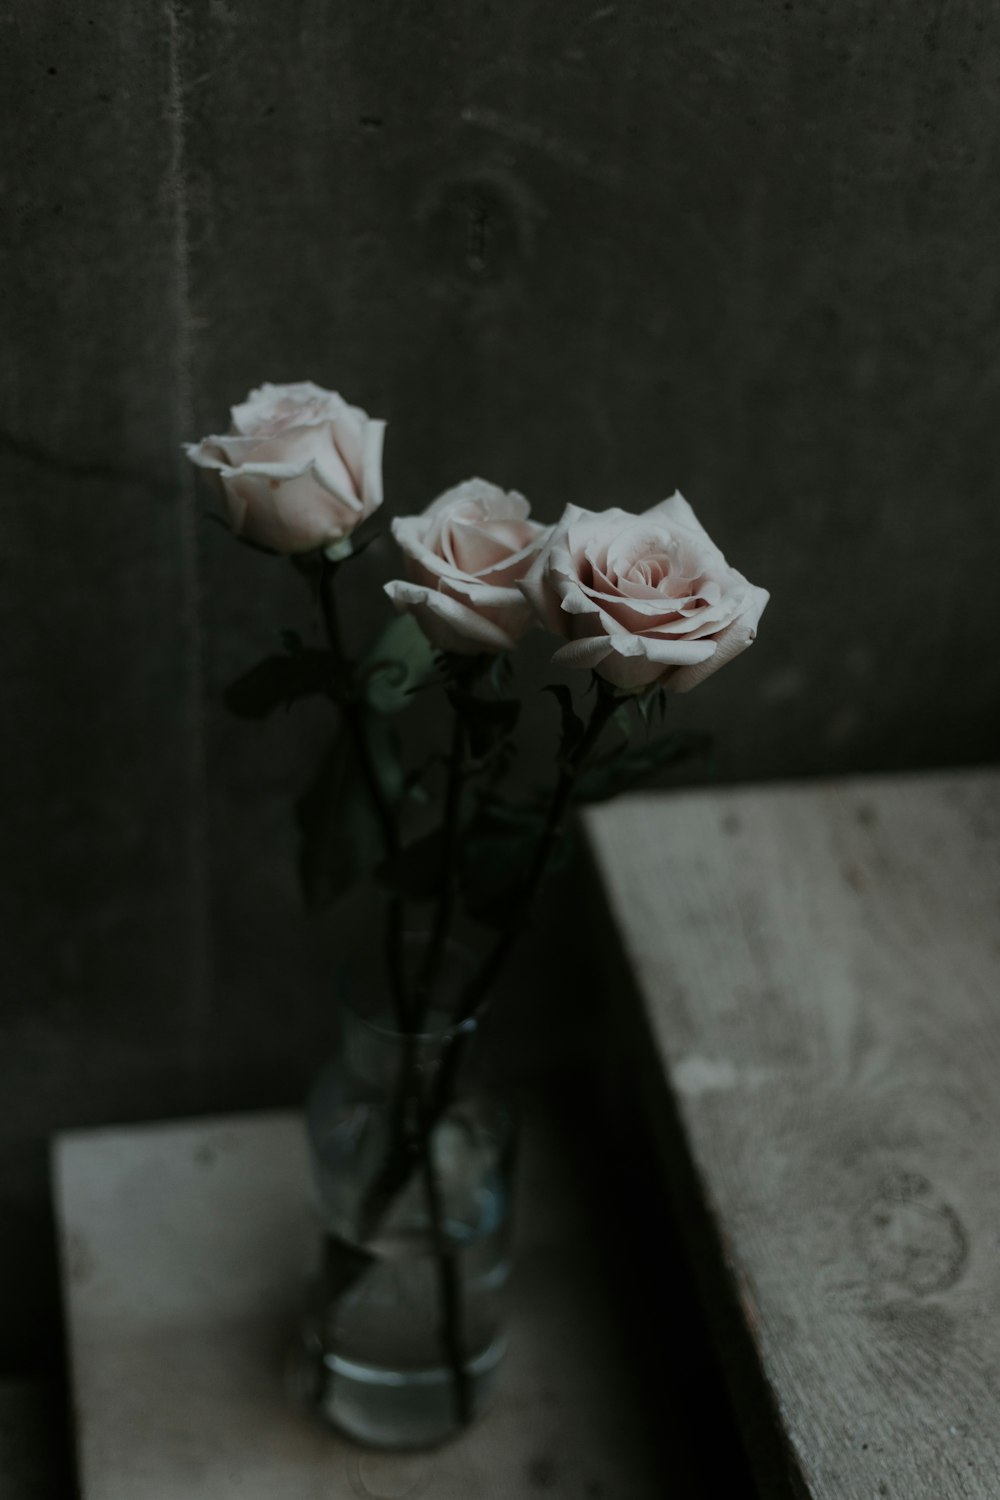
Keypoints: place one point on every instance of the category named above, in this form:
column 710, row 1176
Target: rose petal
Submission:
column 585, row 652
column 371, row 464
column 631, row 673
column 447, row 623
column 730, row 642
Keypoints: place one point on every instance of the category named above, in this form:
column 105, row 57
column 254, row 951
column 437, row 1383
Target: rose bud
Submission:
column 301, row 469
column 464, row 556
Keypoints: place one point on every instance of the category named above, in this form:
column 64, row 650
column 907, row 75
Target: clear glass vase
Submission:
column 412, row 1156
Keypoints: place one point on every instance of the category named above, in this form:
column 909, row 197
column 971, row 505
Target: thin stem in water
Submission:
column 347, row 699
column 445, row 909
column 398, row 1168
column 449, row 1281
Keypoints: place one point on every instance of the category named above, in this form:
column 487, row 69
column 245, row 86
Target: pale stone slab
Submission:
column 818, row 975
column 185, row 1249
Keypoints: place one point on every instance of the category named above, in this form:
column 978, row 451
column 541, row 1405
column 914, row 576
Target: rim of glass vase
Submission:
column 381, row 1021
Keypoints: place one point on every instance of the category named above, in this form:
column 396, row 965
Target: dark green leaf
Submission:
column 400, row 660
column 277, row 681
column 417, row 872
column 340, row 833
column 620, row 719
column 384, row 748
column 572, row 724
column 650, row 703
column 501, row 672
column 487, row 720
column 497, row 850
column 626, row 768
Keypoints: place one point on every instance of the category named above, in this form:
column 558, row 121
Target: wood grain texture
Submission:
column 186, row 1249
column 819, row 972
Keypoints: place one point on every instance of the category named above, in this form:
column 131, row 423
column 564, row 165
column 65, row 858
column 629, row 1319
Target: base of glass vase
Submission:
column 400, row 1409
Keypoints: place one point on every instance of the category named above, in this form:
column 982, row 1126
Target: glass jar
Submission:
column 412, row 1155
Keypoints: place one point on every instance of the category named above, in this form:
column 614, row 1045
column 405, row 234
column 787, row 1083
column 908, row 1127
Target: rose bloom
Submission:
column 464, row 556
column 300, row 468
column 643, row 599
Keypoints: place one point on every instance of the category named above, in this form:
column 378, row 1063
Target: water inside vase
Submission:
column 378, row 1328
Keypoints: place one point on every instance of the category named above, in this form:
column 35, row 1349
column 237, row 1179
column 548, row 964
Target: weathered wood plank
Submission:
column 818, row 969
column 186, row 1249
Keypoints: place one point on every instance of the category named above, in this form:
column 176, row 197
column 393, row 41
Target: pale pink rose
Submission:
column 642, row 599
column 300, row 468
column 465, row 555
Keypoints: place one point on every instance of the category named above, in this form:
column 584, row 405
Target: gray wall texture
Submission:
column 593, row 251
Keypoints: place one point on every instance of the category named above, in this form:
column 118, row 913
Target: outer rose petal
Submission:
column 536, row 586
column 448, row 623
column 287, row 515
column 731, row 641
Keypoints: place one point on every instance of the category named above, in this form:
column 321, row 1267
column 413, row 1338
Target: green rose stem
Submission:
column 464, row 671
column 477, row 993
column 398, row 1166
column 408, row 1092
column 403, row 1154
column 449, row 1281
column 348, row 699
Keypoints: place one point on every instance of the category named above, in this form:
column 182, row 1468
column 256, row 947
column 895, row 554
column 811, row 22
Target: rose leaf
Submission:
column 627, row 768
column 341, row 835
column 572, row 724
column 489, row 721
column 279, row 681
column 497, row 851
column 339, row 830
column 398, row 663
column 417, row 871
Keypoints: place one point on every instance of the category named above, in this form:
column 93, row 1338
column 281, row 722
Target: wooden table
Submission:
column 185, row 1249
column 814, row 974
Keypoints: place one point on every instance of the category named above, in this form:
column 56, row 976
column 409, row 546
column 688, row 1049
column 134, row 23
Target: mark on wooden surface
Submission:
column 910, row 1237
column 916, row 1341
column 693, row 1076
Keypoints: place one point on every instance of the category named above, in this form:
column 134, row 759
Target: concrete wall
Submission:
column 592, row 251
